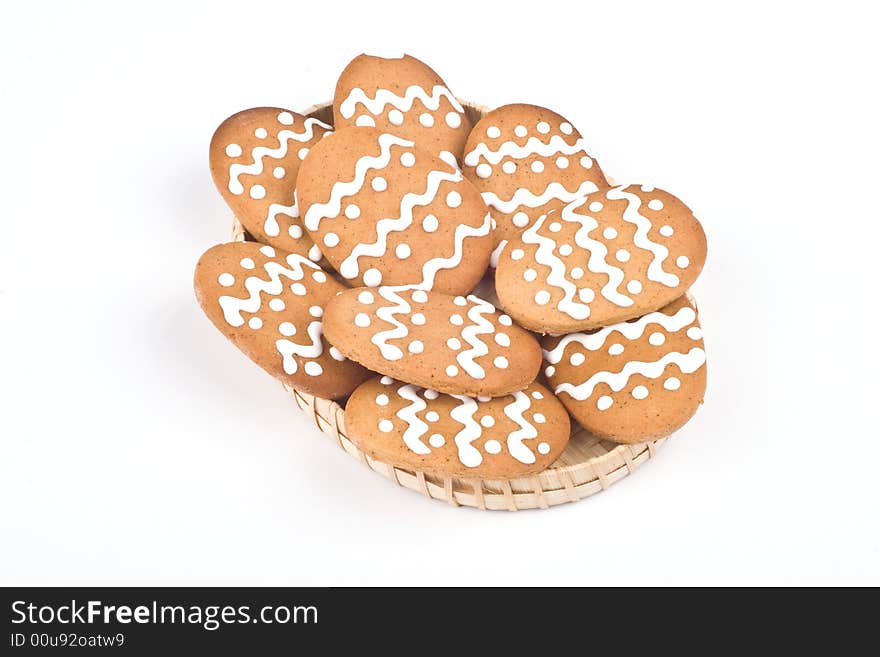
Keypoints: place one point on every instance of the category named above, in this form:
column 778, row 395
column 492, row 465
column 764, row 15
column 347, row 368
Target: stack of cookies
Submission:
column 466, row 290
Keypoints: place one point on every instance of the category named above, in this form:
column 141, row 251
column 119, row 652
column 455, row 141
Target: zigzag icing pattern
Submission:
column 415, row 428
column 435, row 265
column 685, row 316
column 641, row 240
column 464, row 413
column 478, row 348
column 534, row 146
column 526, row 431
column 288, row 349
column 271, row 227
column 688, row 363
column 398, row 306
column 255, row 168
column 375, row 105
column 524, row 197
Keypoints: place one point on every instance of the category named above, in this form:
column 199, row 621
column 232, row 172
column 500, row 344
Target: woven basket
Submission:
column 587, row 466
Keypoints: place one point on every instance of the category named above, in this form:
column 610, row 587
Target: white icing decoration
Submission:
column 634, row 287
column 386, row 380
column 362, row 320
column 379, row 184
column 509, row 167
column 366, row 297
column 464, row 414
column 376, row 104
column 609, row 233
column 386, row 426
column 480, row 326
column 226, row 279
column 682, row 261
column 487, row 421
column 415, row 428
column 537, row 166
column 331, row 239
column 420, row 296
column 577, row 359
column 493, row 132
column 695, row 333
column 667, row 231
column 277, row 304
column 432, row 416
column 526, row 431
column 520, row 220
column 492, row 447
column 395, row 117
column 496, row 254
column 430, row 223
column 402, row 251
column 426, row 120
column 287, row 329
column 616, row 349
column 289, row 349
column 655, row 204
column 672, row 383
column 561, row 162
column 502, row 339
column 382, row 399
column 408, row 159
column 335, row 354
column 534, row 146
column 542, row 298
column 431, row 394
column 372, row 277
column 365, row 121
column 352, row 211
column 233, row 150
column 656, row 339
column 316, row 311
column 313, row 368
column 526, row 197
column 501, row 362
column 451, row 370
column 484, row 170
column 453, row 120
column 279, row 172
column 285, row 118
column 437, row 440
column 302, row 152
column 418, row 319
column 543, row 127
column 398, row 306
column 261, row 133
column 543, row 448
column 565, row 127
column 258, row 192
column 639, row 392
column 604, row 402
column 255, row 323
column 453, row 199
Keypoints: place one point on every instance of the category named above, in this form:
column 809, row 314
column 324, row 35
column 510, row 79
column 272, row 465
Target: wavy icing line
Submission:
column 632, row 215
column 255, row 168
column 464, row 413
column 480, row 326
column 375, row 105
column 688, row 363
column 534, row 146
column 524, row 197
column 630, row 330
column 399, row 305
column 526, row 431
column 271, row 227
column 435, row 265
column 416, row 428
column 288, row 349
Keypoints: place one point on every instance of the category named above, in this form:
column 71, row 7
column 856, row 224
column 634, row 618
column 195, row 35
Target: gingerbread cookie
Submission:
column 385, row 212
column 632, row 381
column 528, row 160
column 458, row 345
column 255, row 156
column 453, row 435
column 402, row 96
column 269, row 304
column 601, row 259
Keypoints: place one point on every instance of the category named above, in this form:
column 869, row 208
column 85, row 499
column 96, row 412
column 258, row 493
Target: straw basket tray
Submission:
column 587, row 466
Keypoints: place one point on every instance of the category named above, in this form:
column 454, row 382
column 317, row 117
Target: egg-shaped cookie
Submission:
column 255, row 156
column 454, row 435
column 269, row 303
column 526, row 161
column 385, row 212
column 632, row 381
column 605, row 258
column 405, row 97
column 457, row 345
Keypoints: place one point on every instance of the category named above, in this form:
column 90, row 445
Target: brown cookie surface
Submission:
column 387, row 213
column 601, row 259
column 269, row 304
column 495, row 438
column 632, row 381
column 452, row 344
column 255, row 157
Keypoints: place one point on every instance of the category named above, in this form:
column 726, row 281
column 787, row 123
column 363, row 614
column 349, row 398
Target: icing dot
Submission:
column 260, row 133
column 647, row 188
column 457, row 320
column 426, row 119
column 622, row 255
column 319, row 276
column 517, row 254
column 431, row 394
column 279, row 172
column 267, row 251
column 454, row 344
column 418, row 319
column 484, row 170
column 451, row 370
column 586, row 162
column 577, row 273
column 436, row 440
column 453, row 119
column 255, row 323
column 382, row 399
column 577, row 359
column 555, row 227
column 502, row 339
column 432, row 416
column 542, row 297
column 657, row 339
column 277, row 305
column 505, row 320
column 430, row 223
column 672, row 383
column 550, row 371
column 285, row 118
column 562, row 162
column 565, row 250
column 314, row 368
column 565, row 128
column 640, row 392
column 295, row 231
column 407, row 159
column 247, row 263
column 226, row 279
column 492, row 446
column 604, row 403
column 682, row 261
column 402, row 251
column 543, row 127
column 543, row 448
column 634, row 287
column 530, row 275
column 586, row 294
column 298, row 289
column 352, row 211
column 537, row 394
column 365, row 121
column 501, row 362
column 362, row 320
column 453, row 199
column 385, row 426
column 694, row 333
column 233, row 150
column 395, row 117
column 609, row 233
column 493, row 132
column 335, row 354
column 666, row 231
column 379, row 184
column 520, row 131
column 537, row 166
column 331, row 239
column 596, row 206
column 416, row 347
column 487, row 421
column 483, row 398
column 520, row 220
column 509, row 166
column 366, row 297
column 316, row 311
column 372, row 277
column 386, row 380
column 539, row 418
column 459, row 301
column 315, row 252
column 257, row 192
column 655, row 204
column 287, row 329
column 420, row 296
column 616, row 349
column 302, row 152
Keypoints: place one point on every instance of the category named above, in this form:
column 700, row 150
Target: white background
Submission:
column 139, row 447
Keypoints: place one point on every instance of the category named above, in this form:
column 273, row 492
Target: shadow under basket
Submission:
column 587, row 466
